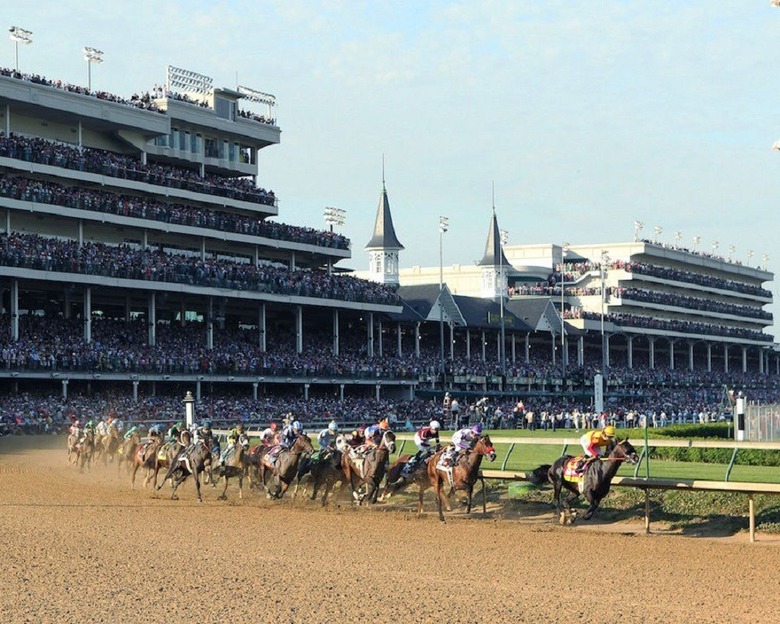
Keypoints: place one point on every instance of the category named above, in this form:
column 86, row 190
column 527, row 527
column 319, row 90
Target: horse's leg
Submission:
column 223, row 496
column 469, row 492
column 439, row 494
column 197, row 485
column 484, row 496
column 241, row 485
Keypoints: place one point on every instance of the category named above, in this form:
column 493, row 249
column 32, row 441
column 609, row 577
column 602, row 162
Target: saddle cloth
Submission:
column 570, row 470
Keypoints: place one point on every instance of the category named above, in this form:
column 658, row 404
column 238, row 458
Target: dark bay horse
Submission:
column 145, row 456
column 193, row 460
column 372, row 471
column 286, row 466
column 234, row 466
column 596, row 479
column 325, row 473
column 465, row 473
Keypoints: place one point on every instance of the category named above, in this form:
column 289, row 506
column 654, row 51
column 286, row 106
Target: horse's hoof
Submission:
column 222, row 497
column 562, row 519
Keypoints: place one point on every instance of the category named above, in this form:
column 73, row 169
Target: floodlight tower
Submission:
column 91, row 55
column 19, row 35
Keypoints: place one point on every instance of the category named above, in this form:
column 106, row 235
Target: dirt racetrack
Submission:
column 82, row 547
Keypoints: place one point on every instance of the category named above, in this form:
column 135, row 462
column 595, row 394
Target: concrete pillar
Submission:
column 398, row 338
column 377, row 392
column 553, row 341
column 261, row 328
column 210, row 325
column 7, row 221
column 452, row 342
column 631, row 352
column 254, row 390
column 306, row 391
column 468, row 345
column 151, row 319
column 527, row 348
column 725, row 358
column 197, row 390
column 88, row 314
column 417, row 340
column 128, row 309
column 341, row 392
column 81, row 232
column 14, row 296
column 144, row 240
column 79, row 135
column 581, row 351
column 257, row 255
column 135, row 390
column 744, row 359
column 761, row 355
column 379, row 328
column 65, row 389
column 484, row 354
column 514, row 347
column 671, row 354
column 182, row 315
column 607, row 362
column 292, row 261
column 203, row 248
column 299, row 329
column 690, row 356
column 335, row 333
column 709, row 357
column 65, row 304
column 143, row 158
column 651, row 347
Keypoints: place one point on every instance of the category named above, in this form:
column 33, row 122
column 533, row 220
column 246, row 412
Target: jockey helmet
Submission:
column 180, row 424
column 609, row 431
column 272, row 426
column 361, row 429
column 297, row 427
column 333, row 426
column 77, row 423
column 384, row 425
column 477, row 429
column 435, row 425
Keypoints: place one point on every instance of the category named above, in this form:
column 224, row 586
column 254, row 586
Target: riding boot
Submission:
column 581, row 465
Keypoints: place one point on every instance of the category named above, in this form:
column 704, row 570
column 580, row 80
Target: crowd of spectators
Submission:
column 694, row 303
column 51, row 193
column 37, row 150
column 33, row 251
column 696, row 278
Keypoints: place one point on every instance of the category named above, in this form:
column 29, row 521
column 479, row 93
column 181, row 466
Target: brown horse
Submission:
column 326, row 472
column 145, row 456
column 110, row 444
column 191, row 461
column 465, row 473
column 85, row 449
column 400, row 474
column 167, row 454
column 127, row 450
column 234, row 466
column 73, row 440
column 372, row 470
column 285, row 468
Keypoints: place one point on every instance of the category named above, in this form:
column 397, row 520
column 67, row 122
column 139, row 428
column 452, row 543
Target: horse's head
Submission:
column 302, row 445
column 626, row 450
column 484, row 446
column 388, row 441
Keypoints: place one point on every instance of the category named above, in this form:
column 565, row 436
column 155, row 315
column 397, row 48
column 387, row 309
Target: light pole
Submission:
column 696, row 241
column 749, row 255
column 732, row 249
column 504, row 239
column 677, row 238
column 20, row 35
column 765, row 258
column 604, row 262
column 443, row 227
column 91, row 55
column 564, row 251
column 715, row 245
column 638, row 225
column 658, row 230
column 335, row 216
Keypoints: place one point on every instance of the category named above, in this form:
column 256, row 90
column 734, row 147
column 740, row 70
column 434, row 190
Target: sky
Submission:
column 585, row 115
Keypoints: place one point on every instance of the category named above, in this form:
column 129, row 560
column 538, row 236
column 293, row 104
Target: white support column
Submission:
column 336, row 337
column 514, row 347
column 468, row 345
column 581, row 351
column 81, row 232
column 299, row 329
column 370, row 334
column 553, row 342
column 744, row 359
column 7, row 221
column 484, row 354
column 630, row 352
column 690, row 356
column 210, row 325
column 709, row 357
column 725, row 358
column 203, row 248
column 452, row 342
column 607, row 337
column 377, row 391
column 135, row 390
column 151, row 320
column 398, row 338
column 261, row 334
column 292, row 261
column 88, row 314
column 255, row 385
column 79, row 135
column 761, row 355
column 14, row 296
column 417, row 340
column 671, row 354
column 198, row 389
column 498, row 346
column 341, row 393
column 257, row 255
column 379, row 328
column 143, row 158
column 527, row 348
column 144, row 240
column 651, row 348
column 306, row 391
column 65, row 389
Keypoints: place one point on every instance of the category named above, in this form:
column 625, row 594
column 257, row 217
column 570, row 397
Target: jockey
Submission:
column 156, row 431
column 239, row 430
column 592, row 443
column 462, row 440
column 102, row 428
column 374, row 433
column 290, row 434
column 269, row 437
column 90, row 425
column 75, row 428
column 120, row 426
column 131, row 432
column 425, row 436
column 357, row 437
column 327, row 437
column 175, row 431
column 232, row 441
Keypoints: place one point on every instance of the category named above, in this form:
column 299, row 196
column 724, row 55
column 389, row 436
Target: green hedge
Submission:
column 745, row 457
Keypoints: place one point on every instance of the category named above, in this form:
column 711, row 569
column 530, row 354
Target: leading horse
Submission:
column 372, row 471
column 596, row 479
column 465, row 473
column 285, row 467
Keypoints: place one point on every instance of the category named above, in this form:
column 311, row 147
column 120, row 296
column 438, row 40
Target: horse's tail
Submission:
column 539, row 476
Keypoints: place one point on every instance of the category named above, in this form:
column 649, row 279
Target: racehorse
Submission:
column 465, row 474
column 234, row 466
column 127, row 450
column 109, row 444
column 192, row 461
column 596, row 479
column 326, row 470
column 85, row 449
column 372, row 471
column 285, row 467
column 401, row 473
column 73, row 456
column 145, row 456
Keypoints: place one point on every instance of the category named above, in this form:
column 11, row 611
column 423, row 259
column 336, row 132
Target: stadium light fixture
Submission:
column 20, row 35
column 715, row 245
column 638, row 225
column 91, row 55
column 732, row 249
column 749, row 255
column 334, row 216
column 765, row 258
column 658, row 231
column 677, row 238
column 696, row 241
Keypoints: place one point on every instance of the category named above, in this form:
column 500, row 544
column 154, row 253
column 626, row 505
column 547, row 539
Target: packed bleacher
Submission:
column 693, row 303
column 52, row 193
column 32, row 251
column 37, row 150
